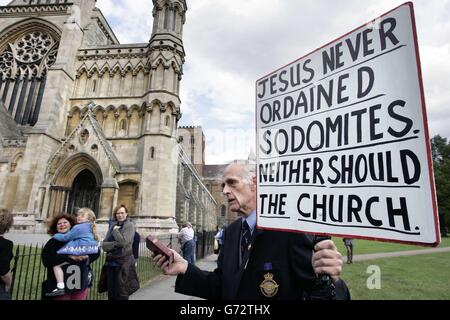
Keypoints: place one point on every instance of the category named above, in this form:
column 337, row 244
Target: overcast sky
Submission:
column 230, row 44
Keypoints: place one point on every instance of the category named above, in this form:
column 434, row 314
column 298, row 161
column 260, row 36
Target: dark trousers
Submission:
column 189, row 251
column 349, row 253
column 113, row 283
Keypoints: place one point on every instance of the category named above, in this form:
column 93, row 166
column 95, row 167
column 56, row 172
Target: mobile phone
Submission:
column 157, row 247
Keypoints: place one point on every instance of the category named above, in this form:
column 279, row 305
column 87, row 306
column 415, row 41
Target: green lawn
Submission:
column 421, row 277
column 366, row 246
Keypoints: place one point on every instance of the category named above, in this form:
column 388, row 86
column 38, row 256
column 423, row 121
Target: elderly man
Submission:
column 257, row 264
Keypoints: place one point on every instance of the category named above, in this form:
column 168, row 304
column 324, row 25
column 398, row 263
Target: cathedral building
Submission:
column 88, row 122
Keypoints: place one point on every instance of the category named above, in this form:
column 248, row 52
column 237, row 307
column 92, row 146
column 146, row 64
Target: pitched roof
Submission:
column 90, row 122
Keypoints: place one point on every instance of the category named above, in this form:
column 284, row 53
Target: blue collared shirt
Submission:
column 251, row 220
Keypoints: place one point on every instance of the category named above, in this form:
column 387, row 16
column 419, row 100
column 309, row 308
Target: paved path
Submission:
column 27, row 239
column 163, row 287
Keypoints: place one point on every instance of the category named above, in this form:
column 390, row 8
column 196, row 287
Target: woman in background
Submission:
column 119, row 275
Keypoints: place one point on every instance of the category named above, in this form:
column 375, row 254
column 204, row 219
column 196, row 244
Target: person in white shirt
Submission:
column 219, row 239
column 186, row 236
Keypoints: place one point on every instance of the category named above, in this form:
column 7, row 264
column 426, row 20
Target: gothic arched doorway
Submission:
column 84, row 192
column 76, row 183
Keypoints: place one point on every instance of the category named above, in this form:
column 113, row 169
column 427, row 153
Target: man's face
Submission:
column 241, row 196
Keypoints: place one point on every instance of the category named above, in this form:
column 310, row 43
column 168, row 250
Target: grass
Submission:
column 366, row 246
column 422, row 277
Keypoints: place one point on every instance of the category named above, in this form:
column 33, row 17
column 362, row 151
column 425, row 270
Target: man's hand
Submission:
column 178, row 266
column 327, row 260
column 7, row 281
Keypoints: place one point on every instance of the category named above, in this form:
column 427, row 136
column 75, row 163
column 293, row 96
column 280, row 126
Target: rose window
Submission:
column 33, row 47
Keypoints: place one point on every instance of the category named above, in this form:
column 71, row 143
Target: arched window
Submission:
column 174, row 19
column 122, row 129
column 167, row 121
column 166, row 17
column 123, row 124
column 151, row 154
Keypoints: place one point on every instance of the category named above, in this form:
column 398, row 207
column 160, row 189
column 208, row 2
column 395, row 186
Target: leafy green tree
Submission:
column 440, row 149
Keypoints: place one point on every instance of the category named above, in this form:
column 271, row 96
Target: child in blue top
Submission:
column 82, row 240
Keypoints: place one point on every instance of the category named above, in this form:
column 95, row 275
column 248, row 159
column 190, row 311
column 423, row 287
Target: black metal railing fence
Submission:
column 29, row 272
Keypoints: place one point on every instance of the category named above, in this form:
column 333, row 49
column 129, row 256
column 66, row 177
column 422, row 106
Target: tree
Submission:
column 440, row 149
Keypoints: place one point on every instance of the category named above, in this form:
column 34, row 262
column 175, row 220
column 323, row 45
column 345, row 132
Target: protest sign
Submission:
column 342, row 139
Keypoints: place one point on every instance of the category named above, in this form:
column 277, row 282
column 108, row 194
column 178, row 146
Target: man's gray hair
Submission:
column 249, row 169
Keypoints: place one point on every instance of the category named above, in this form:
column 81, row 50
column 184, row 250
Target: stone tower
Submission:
column 192, row 140
column 85, row 120
column 166, row 58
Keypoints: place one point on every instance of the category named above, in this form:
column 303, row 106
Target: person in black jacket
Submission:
column 257, row 264
column 6, row 255
column 119, row 276
column 77, row 272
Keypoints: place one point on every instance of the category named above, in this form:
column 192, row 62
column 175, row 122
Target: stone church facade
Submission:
column 192, row 141
column 87, row 121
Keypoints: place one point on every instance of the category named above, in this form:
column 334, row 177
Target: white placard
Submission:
column 342, row 137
